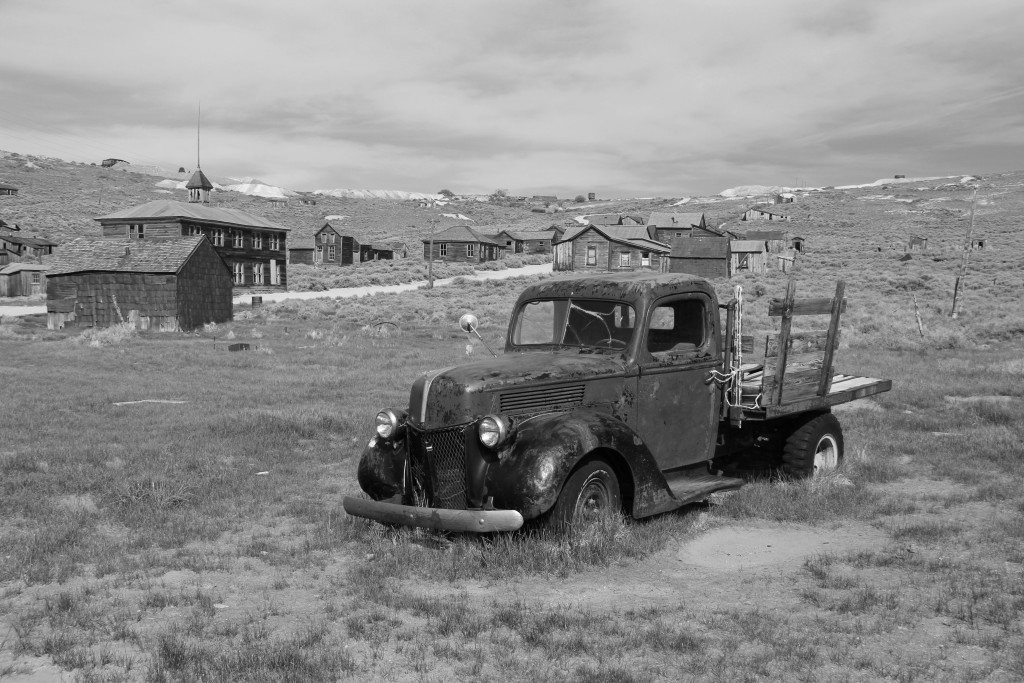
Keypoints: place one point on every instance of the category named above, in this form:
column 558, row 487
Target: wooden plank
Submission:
column 795, row 362
column 803, row 307
column 747, row 343
column 787, row 322
column 833, row 336
column 864, row 387
column 799, row 342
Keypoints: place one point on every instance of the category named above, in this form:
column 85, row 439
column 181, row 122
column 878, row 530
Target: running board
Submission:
column 692, row 489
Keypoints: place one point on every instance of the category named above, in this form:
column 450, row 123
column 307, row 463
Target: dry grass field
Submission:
column 170, row 510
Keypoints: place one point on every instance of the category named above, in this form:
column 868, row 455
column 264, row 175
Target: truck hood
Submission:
column 515, row 382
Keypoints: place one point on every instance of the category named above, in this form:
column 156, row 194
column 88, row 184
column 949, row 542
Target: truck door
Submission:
column 677, row 411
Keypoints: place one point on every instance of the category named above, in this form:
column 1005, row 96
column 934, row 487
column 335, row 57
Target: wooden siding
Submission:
column 710, row 268
column 456, row 252
column 204, row 289
column 749, row 262
column 21, row 283
column 304, row 256
column 572, row 255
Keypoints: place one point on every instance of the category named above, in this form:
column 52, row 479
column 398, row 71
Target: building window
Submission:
column 645, row 259
column 470, row 250
column 238, row 270
column 257, row 241
column 257, row 274
column 37, row 278
column 275, row 242
column 237, row 239
column 218, row 237
column 443, row 249
column 591, row 256
column 279, row 274
column 679, row 234
column 137, row 231
column 330, row 252
column 624, row 259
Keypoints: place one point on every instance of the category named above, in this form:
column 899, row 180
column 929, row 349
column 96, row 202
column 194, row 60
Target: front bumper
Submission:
column 473, row 521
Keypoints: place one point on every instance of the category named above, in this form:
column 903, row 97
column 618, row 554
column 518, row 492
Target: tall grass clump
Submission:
column 115, row 335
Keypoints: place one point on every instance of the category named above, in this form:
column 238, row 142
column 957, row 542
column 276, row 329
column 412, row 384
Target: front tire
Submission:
column 816, row 447
column 590, row 493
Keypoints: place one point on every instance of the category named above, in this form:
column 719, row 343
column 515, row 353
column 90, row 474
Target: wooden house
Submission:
column 776, row 241
column 166, row 284
column 255, row 248
column 376, row 251
column 399, row 250
column 463, row 244
column 303, row 255
column 613, row 219
column 610, row 248
column 526, row 241
column 665, row 227
column 707, row 258
column 748, row 256
column 335, row 246
column 8, row 190
column 978, row 243
column 15, row 248
column 23, row 279
column 764, row 213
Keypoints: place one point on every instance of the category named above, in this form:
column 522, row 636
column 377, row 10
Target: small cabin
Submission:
column 8, row 190
column 748, row 256
column 917, row 244
column 23, row 279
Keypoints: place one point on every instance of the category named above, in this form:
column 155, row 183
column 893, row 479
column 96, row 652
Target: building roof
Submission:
column 630, row 235
column 765, row 235
column 29, row 241
column 5, row 186
column 12, row 268
column 604, row 218
column 167, row 208
column 530, row 234
column 660, row 219
column 708, row 247
column 768, row 209
column 199, row 181
column 124, row 256
column 461, row 233
column 337, row 227
column 747, row 246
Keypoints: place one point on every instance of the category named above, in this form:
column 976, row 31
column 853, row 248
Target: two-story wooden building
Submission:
column 254, row 247
column 18, row 249
column 334, row 246
column 665, row 227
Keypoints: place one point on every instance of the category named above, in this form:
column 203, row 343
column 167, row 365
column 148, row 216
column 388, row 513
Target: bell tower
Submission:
column 199, row 185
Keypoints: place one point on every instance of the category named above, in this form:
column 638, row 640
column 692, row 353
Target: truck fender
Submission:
column 530, row 472
column 381, row 469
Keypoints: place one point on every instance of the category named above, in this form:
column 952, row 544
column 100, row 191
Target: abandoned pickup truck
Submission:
column 615, row 393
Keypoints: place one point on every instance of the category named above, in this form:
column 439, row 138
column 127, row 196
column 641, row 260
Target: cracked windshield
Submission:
column 583, row 323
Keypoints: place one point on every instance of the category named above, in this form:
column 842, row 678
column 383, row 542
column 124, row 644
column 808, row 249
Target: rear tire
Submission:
column 814, row 448
column 590, row 493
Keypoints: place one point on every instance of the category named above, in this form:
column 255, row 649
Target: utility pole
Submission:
column 430, row 255
column 962, row 276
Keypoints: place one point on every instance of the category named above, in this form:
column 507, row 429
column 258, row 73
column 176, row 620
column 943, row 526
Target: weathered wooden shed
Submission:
column 22, row 279
column 764, row 213
column 917, row 244
column 163, row 284
column 526, row 241
column 708, row 257
column 8, row 190
column 748, row 256
column 776, row 241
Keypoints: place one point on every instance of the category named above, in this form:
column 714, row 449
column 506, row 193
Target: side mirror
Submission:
column 469, row 322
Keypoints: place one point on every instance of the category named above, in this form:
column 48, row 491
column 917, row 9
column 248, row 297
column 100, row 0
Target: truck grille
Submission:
column 438, row 461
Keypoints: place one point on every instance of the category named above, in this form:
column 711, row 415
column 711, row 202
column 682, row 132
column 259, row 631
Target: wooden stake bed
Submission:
column 797, row 374
column 845, row 388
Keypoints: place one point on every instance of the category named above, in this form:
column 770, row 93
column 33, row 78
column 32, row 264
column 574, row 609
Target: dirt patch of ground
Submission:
column 736, row 548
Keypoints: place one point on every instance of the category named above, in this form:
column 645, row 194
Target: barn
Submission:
column 707, row 258
column 161, row 284
column 22, row 279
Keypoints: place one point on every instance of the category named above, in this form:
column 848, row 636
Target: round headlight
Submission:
column 494, row 431
column 387, row 423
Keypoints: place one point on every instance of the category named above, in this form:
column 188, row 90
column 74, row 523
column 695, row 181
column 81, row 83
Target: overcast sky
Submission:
column 622, row 98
